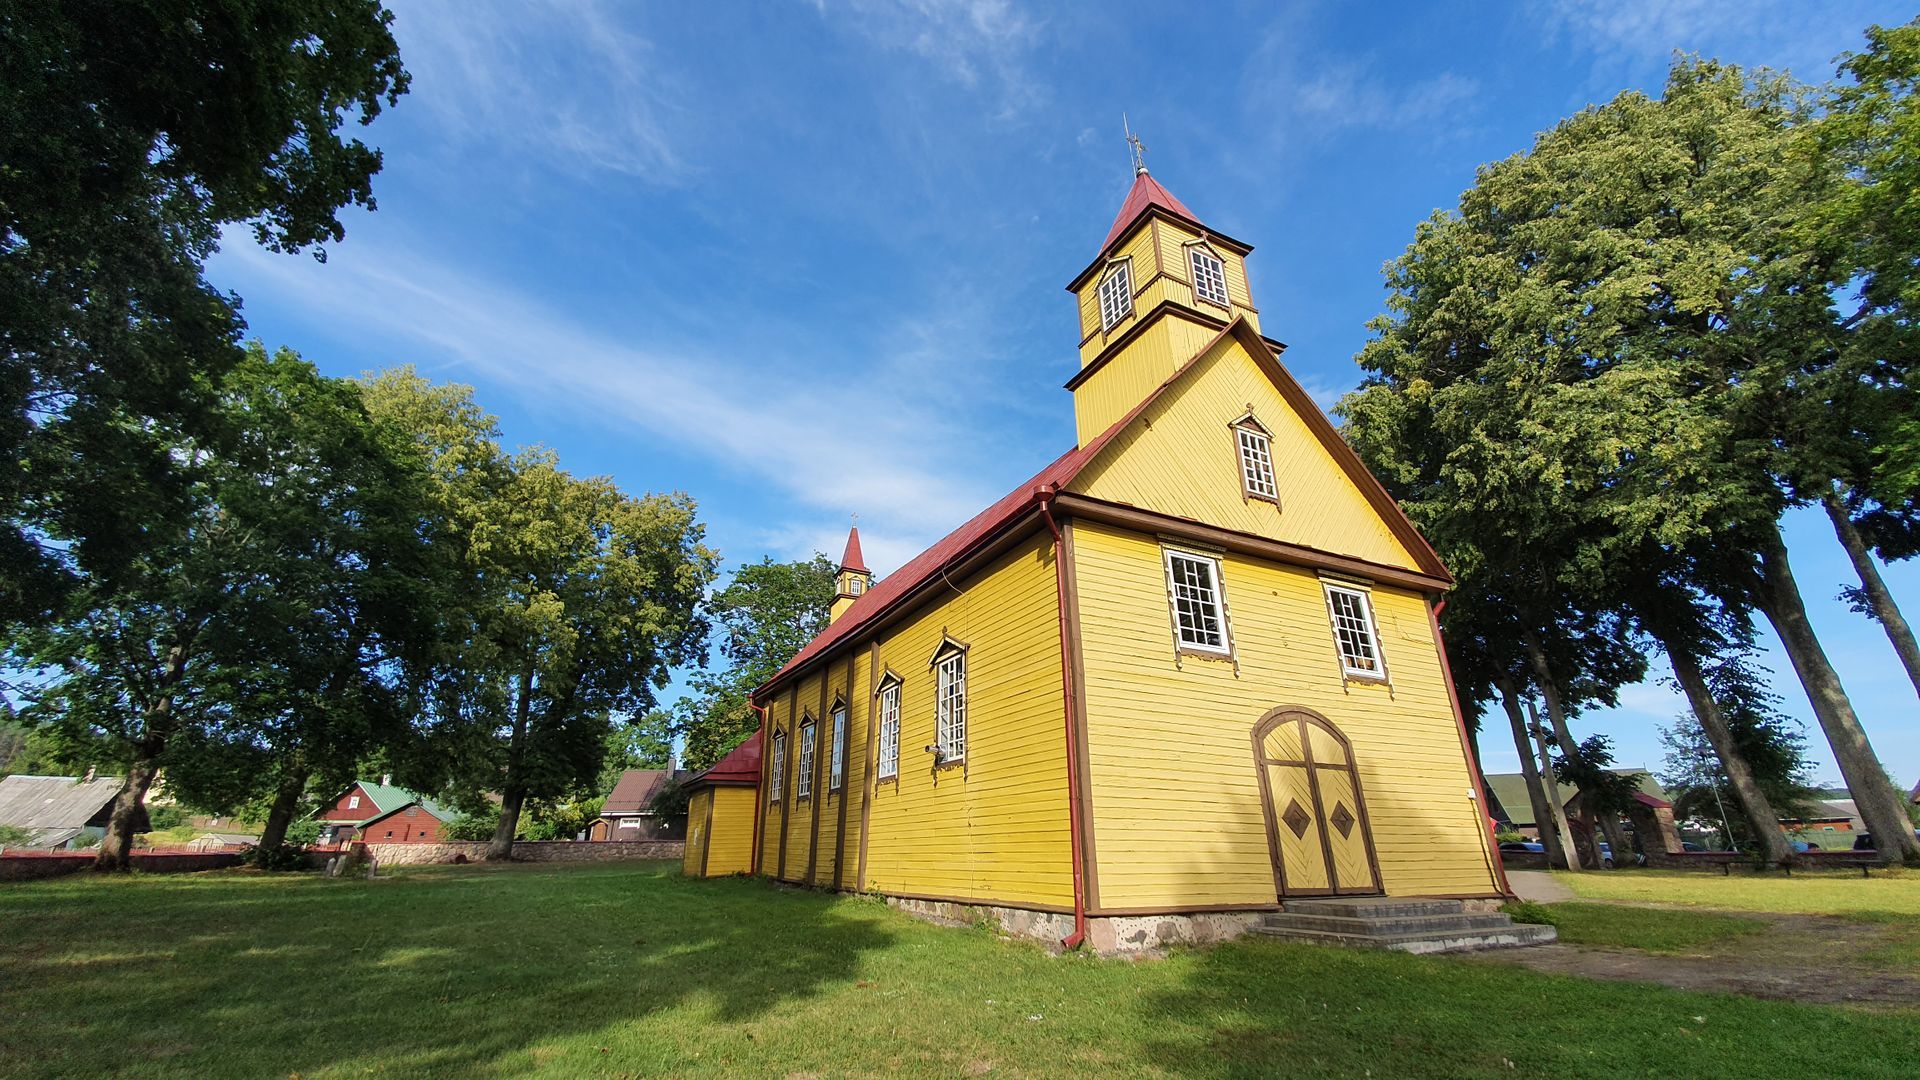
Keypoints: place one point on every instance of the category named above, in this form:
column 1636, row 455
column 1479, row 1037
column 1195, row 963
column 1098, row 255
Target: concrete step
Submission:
column 1373, row 907
column 1466, row 939
column 1387, row 926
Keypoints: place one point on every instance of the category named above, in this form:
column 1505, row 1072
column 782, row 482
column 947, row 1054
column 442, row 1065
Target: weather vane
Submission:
column 1136, row 146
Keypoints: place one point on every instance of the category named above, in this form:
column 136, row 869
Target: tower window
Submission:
column 1199, row 616
column 855, row 586
column 1256, row 460
column 1116, row 295
column 1359, row 646
column 888, row 759
column 1209, row 275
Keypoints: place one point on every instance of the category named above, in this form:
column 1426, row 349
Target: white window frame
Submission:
column 855, row 586
column 1255, row 446
column 1116, row 293
column 887, row 755
column 803, row 776
column 950, row 704
column 1364, row 624
column 1178, row 589
column 1199, row 256
column 837, row 753
column 353, row 802
column 777, row 782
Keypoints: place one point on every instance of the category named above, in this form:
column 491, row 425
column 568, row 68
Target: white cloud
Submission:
column 1306, row 96
column 1630, row 39
column 564, row 79
column 980, row 44
column 761, row 421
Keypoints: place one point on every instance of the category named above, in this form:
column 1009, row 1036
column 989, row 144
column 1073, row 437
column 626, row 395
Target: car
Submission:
column 1864, row 841
column 1523, row 846
column 1801, row 847
column 1688, row 845
column 1606, row 855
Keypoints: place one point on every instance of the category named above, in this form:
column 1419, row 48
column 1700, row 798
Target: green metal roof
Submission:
column 1510, row 791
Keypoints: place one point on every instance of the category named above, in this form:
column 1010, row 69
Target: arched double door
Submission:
column 1316, row 816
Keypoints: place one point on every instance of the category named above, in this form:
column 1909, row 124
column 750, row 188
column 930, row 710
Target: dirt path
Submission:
column 1808, row 958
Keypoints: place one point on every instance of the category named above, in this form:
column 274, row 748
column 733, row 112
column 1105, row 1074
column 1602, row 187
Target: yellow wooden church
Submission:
column 1188, row 671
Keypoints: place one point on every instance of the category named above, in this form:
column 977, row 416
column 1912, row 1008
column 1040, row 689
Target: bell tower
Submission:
column 853, row 578
column 1161, row 287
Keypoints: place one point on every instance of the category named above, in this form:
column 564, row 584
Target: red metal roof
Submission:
column 852, row 559
column 740, row 766
column 1146, row 192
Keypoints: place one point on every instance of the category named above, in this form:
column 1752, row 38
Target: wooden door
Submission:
column 1316, row 815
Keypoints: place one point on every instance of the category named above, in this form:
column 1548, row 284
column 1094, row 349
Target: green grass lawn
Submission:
column 632, row 970
column 1887, row 894
column 1654, row 930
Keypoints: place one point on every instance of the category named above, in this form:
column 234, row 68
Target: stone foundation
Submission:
column 1125, row 935
column 526, row 851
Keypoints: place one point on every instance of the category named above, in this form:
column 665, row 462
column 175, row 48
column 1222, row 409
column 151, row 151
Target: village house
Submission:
column 1188, row 672
column 384, row 814
column 1650, row 816
column 627, row 812
column 60, row 811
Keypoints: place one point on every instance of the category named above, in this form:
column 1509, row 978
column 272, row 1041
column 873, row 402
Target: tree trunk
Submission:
column 1577, row 857
column 513, row 793
column 1556, row 712
column 1779, row 598
column 1546, row 818
column 129, row 814
column 1884, row 609
column 1762, row 823
column 286, row 800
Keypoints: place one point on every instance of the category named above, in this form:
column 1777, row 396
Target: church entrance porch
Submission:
column 1316, row 815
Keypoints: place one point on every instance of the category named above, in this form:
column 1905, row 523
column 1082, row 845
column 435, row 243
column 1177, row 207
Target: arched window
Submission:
column 778, row 780
column 887, row 760
column 950, row 702
column 803, row 780
column 1116, row 294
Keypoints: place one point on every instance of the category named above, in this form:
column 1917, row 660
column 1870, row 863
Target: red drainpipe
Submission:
column 1073, row 940
column 759, row 790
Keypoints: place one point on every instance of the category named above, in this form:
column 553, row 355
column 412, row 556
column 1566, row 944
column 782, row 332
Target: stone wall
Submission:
column 526, row 851
column 1108, row 936
column 31, row 867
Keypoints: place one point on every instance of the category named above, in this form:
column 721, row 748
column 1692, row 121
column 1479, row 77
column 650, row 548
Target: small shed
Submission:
column 720, row 809
column 627, row 812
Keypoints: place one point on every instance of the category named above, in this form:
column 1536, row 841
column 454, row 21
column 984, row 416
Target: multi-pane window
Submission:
column 1199, row 621
column 1209, row 276
column 855, row 586
column 889, row 755
column 803, row 783
column 778, row 781
column 1116, row 295
column 1256, row 460
column 837, row 761
column 1353, row 633
column 950, row 692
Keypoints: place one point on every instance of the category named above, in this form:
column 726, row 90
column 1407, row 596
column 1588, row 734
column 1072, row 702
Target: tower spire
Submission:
column 1137, row 147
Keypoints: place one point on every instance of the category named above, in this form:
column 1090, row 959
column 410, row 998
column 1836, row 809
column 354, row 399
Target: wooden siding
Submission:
column 1181, row 459
column 698, row 808
column 996, row 828
column 1176, row 807
column 1173, row 240
column 1141, row 249
column 1126, row 379
column 730, row 837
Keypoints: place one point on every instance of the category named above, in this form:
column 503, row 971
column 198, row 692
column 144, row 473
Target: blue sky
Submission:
column 804, row 260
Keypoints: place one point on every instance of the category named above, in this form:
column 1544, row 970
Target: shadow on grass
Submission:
column 1261, row 1008
column 445, row 970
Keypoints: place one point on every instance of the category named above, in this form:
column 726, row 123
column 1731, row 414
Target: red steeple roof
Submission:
column 852, row 559
column 1146, row 192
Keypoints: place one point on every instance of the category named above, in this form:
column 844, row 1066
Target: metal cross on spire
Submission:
column 1136, row 147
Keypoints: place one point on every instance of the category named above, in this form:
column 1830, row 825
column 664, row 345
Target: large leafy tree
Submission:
column 572, row 603
column 1611, row 350
column 131, row 134
column 251, row 623
column 765, row 615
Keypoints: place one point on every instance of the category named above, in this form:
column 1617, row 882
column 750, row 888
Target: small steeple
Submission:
column 853, row 578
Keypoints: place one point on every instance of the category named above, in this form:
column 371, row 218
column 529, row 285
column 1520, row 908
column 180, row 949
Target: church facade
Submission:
column 1190, row 669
